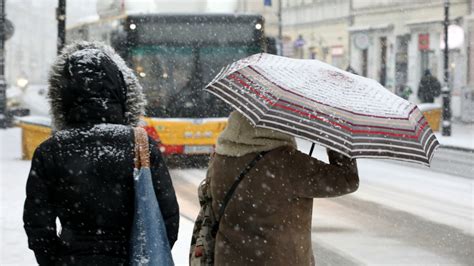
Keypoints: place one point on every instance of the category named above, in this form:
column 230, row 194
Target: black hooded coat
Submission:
column 83, row 174
column 429, row 88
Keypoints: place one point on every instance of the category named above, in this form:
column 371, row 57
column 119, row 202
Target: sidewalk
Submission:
column 462, row 137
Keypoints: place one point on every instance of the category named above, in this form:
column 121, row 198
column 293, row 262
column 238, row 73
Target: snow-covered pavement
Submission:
column 462, row 136
column 401, row 214
column 14, row 249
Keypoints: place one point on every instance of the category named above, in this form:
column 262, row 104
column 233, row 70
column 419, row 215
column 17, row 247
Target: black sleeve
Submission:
column 164, row 192
column 39, row 215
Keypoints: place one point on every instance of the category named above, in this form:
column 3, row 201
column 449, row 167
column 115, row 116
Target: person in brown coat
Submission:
column 268, row 219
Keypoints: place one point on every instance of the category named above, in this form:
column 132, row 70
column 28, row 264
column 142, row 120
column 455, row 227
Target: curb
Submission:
column 463, row 149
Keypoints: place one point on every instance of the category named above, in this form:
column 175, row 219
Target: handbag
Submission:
column 206, row 225
column 149, row 244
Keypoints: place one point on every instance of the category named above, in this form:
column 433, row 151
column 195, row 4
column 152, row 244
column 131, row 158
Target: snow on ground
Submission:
column 181, row 247
column 439, row 197
column 14, row 172
column 14, row 249
column 462, row 136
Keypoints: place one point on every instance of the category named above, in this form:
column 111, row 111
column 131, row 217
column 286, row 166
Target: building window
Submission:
column 401, row 63
column 427, row 61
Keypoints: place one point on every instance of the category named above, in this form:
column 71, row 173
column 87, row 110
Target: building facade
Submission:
column 391, row 41
column 395, row 42
column 311, row 28
column 467, row 102
column 318, row 29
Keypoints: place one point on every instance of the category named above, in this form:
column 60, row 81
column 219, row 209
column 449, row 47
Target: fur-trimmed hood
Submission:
column 64, row 90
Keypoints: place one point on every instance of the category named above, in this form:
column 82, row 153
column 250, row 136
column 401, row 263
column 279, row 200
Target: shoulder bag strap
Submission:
column 142, row 151
column 232, row 189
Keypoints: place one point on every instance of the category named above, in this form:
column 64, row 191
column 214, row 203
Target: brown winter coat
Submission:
column 268, row 220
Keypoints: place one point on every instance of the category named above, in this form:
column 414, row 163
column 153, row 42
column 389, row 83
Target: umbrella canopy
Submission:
column 341, row 111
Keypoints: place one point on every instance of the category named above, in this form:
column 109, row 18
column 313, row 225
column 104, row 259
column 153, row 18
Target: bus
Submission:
column 175, row 57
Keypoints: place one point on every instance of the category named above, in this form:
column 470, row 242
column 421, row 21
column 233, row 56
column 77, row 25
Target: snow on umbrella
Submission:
column 351, row 114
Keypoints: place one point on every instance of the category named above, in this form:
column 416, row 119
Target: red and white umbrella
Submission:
column 341, row 111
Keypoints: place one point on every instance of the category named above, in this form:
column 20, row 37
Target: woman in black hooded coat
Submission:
column 83, row 174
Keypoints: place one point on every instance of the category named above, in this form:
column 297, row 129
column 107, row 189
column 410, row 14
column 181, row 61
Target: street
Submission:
column 454, row 161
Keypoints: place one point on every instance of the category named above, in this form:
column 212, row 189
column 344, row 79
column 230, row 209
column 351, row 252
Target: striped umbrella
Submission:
column 309, row 99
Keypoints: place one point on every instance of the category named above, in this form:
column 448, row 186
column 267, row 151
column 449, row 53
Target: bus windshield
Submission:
column 174, row 77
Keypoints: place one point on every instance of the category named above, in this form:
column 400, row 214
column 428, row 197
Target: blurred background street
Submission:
column 402, row 214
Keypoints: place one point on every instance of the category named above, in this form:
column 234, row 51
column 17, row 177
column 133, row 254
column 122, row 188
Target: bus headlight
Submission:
column 258, row 26
column 133, row 26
